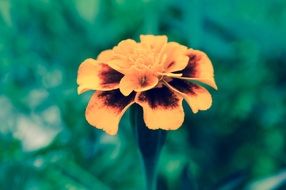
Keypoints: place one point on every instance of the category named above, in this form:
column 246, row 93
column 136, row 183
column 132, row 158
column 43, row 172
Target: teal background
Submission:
column 45, row 142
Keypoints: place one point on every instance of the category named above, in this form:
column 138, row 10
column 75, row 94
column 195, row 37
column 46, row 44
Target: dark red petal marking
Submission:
column 170, row 64
column 116, row 99
column 143, row 81
column 191, row 69
column 109, row 76
column 184, row 86
column 159, row 97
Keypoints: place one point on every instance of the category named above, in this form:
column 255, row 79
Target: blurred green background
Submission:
column 45, row 142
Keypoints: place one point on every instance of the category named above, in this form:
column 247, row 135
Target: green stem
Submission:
column 150, row 143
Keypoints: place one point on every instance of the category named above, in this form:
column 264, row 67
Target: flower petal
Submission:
column 137, row 81
column 153, row 42
column 199, row 68
column 93, row 75
column 177, row 58
column 118, row 62
column 120, row 55
column 106, row 108
column 125, row 47
column 105, row 56
column 162, row 108
column 196, row 96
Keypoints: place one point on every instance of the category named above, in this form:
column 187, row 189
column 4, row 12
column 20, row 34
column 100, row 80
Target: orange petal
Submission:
column 119, row 57
column 125, row 47
column 116, row 61
column 162, row 108
column 196, row 96
column 105, row 56
column 199, row 68
column 153, row 42
column 105, row 109
column 119, row 65
column 93, row 75
column 137, row 81
column 176, row 57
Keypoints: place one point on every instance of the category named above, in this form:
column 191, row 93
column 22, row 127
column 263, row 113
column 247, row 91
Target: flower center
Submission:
column 146, row 59
column 162, row 80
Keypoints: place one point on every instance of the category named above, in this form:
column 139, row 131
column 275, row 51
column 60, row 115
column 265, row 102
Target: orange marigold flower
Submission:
column 154, row 73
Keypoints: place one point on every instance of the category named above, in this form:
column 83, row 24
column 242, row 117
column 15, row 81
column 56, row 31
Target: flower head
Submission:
column 154, row 73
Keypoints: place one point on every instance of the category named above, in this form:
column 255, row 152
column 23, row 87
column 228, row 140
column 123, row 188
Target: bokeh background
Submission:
column 45, row 142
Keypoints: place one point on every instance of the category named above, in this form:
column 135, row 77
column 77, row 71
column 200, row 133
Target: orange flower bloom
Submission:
column 153, row 73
